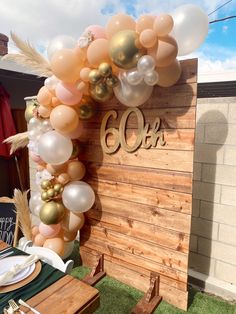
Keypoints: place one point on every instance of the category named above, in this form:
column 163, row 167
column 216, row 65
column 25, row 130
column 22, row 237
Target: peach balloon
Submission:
column 76, row 170
column 55, row 244
column 97, row 31
column 148, row 38
column 72, row 222
column 63, row 178
column 55, row 101
column 54, row 169
column 49, row 231
column 68, row 94
column 66, row 65
column 69, row 236
column 82, row 87
column 98, row 52
column 169, row 75
column 119, row 22
column 39, row 240
column 44, row 111
column 163, row 24
column 77, row 132
column 41, row 167
column 34, row 231
column 44, row 96
column 165, row 51
column 84, row 74
column 64, row 119
column 144, row 22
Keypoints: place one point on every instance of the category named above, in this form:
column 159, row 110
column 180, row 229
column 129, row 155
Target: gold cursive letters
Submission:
column 145, row 137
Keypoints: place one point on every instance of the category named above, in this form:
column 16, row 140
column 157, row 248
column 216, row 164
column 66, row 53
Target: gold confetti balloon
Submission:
column 125, row 49
column 52, row 212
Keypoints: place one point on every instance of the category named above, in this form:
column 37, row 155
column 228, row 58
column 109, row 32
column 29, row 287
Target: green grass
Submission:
column 118, row 298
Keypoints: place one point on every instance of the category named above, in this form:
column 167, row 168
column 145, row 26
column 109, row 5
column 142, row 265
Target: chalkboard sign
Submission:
column 8, row 223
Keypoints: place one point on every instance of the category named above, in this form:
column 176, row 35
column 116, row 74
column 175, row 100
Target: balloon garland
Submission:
column 125, row 59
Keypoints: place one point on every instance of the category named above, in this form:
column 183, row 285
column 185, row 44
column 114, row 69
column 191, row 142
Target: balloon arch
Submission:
column 126, row 58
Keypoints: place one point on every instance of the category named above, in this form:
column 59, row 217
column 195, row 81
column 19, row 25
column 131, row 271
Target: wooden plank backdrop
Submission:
column 142, row 215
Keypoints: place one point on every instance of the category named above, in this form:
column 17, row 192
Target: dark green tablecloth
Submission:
column 46, row 277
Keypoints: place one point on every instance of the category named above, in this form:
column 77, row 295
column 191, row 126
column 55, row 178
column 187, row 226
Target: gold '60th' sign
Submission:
column 145, row 137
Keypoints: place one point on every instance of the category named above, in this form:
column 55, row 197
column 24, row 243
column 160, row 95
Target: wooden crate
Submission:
column 142, row 215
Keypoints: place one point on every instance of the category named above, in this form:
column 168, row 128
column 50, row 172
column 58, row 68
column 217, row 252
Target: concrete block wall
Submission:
column 213, row 238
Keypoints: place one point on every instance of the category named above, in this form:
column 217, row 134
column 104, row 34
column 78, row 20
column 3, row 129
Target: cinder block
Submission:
column 220, row 134
column 195, row 208
column 227, row 234
column 217, row 250
column 225, row 272
column 228, row 195
column 209, row 153
column 230, row 155
column 193, row 243
column 219, row 174
column 197, row 169
column 232, row 113
column 202, row 264
column 212, row 112
column 205, row 228
column 206, row 191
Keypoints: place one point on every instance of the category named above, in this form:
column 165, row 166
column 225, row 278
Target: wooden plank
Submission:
column 169, row 276
column 159, row 159
column 173, row 259
column 179, row 139
column 145, row 213
column 171, row 200
column 171, row 118
column 164, row 237
column 139, row 281
column 189, row 71
column 147, row 177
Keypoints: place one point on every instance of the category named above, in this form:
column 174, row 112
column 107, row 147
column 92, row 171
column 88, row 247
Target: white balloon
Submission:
column 35, row 134
column 134, row 77
column 34, row 123
column 55, row 148
column 190, row 28
column 132, row 95
column 146, row 63
column 46, row 125
column 60, row 42
column 151, row 78
column 78, row 196
column 51, row 82
column 35, row 200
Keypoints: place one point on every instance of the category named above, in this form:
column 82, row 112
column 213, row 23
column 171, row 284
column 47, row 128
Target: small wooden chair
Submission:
column 48, row 256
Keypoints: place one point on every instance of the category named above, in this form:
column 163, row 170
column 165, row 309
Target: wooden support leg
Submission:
column 151, row 299
column 97, row 272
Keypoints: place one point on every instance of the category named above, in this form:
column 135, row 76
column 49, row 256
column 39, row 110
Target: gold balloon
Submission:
column 58, row 188
column 52, row 212
column 44, row 196
column 125, row 49
column 105, row 69
column 76, row 149
column 112, row 81
column 50, row 193
column 46, row 184
column 101, row 92
column 95, row 76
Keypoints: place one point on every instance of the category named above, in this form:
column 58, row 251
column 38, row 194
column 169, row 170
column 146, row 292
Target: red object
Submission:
column 7, row 126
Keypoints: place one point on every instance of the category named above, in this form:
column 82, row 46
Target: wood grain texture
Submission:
column 141, row 218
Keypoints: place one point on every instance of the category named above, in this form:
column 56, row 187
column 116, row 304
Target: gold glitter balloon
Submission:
column 101, row 92
column 125, row 49
column 105, row 69
column 52, row 212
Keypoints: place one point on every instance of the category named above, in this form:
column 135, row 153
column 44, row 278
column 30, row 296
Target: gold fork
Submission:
column 15, row 306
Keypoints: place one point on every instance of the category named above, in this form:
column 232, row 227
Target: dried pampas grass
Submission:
column 23, row 212
column 29, row 57
column 17, row 141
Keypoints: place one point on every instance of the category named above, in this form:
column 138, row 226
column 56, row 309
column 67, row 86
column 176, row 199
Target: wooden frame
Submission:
column 141, row 219
column 6, row 200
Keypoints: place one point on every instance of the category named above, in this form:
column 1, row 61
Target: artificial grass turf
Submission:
column 118, row 298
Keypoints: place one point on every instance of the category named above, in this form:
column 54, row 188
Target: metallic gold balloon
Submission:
column 44, row 196
column 125, row 49
column 95, row 76
column 50, row 193
column 76, row 149
column 58, row 187
column 105, row 69
column 112, row 81
column 52, row 212
column 46, row 184
column 87, row 108
column 101, row 92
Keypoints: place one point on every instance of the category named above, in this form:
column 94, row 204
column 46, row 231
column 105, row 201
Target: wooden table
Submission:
column 67, row 295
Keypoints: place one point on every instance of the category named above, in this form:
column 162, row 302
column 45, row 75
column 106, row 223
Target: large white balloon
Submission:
column 78, row 196
column 190, row 28
column 60, row 42
column 55, row 148
column 132, row 95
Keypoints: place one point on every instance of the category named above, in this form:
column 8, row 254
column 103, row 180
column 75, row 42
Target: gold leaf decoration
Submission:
column 17, row 141
column 29, row 57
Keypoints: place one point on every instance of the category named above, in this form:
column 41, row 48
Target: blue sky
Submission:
column 40, row 21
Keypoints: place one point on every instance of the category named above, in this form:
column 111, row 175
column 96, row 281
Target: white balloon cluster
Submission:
column 145, row 71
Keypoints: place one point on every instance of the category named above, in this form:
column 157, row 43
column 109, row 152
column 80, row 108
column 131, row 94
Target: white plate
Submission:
column 8, row 262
